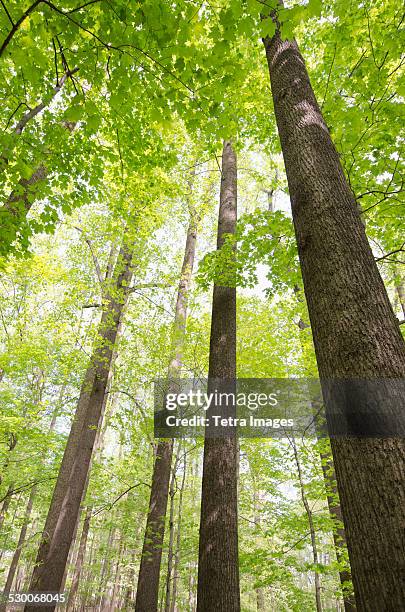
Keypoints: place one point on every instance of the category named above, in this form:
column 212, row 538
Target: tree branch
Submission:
column 110, row 505
column 37, row 109
column 89, row 243
column 400, row 250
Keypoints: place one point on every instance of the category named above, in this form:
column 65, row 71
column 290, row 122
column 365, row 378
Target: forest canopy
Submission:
column 207, row 192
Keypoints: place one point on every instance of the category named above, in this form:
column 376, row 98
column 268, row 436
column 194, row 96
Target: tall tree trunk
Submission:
column 335, row 510
column 147, row 593
column 80, row 559
column 5, row 504
column 116, row 586
column 260, row 597
column 400, row 289
column 170, row 551
column 65, row 505
column 23, row 533
column 218, row 569
column 178, row 536
column 356, row 334
column 17, row 553
column 311, row 527
column 339, row 535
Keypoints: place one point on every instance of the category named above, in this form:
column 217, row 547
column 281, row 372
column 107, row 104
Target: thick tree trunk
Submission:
column 311, row 528
column 218, row 570
column 63, row 513
column 356, row 334
column 147, row 593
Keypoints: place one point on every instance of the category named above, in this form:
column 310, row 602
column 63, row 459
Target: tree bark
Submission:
column 63, row 513
column 218, row 570
column 356, row 334
column 147, row 594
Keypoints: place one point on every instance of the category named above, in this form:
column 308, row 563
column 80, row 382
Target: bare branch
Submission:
column 110, row 505
column 400, row 250
column 37, row 109
column 89, row 243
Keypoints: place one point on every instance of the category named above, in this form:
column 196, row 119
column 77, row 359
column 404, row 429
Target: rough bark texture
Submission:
column 65, row 505
column 147, row 593
column 356, row 334
column 218, row 569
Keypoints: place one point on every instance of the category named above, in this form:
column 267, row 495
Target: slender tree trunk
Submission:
column 147, row 594
column 5, row 505
column 339, row 535
column 23, row 533
column 63, row 513
column 17, row 554
column 104, row 570
column 335, row 511
column 170, row 552
column 80, row 559
column 116, row 587
column 356, row 334
column 218, row 569
column 400, row 289
column 260, row 597
column 191, row 588
column 311, row 528
column 178, row 537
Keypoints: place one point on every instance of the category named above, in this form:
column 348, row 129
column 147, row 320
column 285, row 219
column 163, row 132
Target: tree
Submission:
column 148, row 580
column 218, row 569
column 63, row 513
column 355, row 331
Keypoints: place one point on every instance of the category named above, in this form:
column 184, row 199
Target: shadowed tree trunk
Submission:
column 218, row 568
column 170, row 552
column 178, row 536
column 356, row 334
column 147, row 594
column 65, row 505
